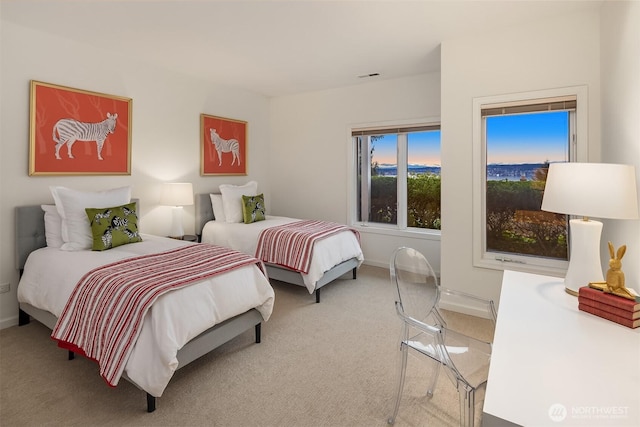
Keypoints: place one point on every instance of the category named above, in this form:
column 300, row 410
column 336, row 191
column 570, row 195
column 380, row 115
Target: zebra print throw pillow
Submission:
column 113, row 227
column 253, row 208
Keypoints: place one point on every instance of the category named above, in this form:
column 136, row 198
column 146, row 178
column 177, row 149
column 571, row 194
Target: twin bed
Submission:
column 178, row 326
column 332, row 257
column 181, row 326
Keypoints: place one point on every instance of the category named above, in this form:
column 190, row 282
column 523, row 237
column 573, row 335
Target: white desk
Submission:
column 553, row 365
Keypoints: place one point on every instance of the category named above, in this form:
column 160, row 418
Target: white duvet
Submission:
column 327, row 252
column 174, row 319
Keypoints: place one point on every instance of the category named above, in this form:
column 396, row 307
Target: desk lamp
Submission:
column 600, row 190
column 177, row 194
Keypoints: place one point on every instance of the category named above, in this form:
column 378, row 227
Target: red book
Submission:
column 606, row 315
column 610, row 299
column 631, row 315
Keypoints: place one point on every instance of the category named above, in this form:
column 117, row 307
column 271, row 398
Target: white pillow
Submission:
column 52, row 226
column 218, row 208
column 71, row 204
column 232, row 199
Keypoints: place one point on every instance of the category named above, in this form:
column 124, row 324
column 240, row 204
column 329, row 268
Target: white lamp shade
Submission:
column 600, row 190
column 177, row 194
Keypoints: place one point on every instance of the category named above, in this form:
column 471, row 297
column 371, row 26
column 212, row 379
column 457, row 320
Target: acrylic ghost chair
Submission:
column 463, row 358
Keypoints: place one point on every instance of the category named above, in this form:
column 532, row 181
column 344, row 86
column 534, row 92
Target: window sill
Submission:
column 546, row 270
column 393, row 231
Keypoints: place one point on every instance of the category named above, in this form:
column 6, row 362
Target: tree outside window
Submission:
column 519, row 149
column 398, row 176
column 516, row 137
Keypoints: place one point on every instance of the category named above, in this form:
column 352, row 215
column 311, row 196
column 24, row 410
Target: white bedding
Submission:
column 50, row 275
column 327, row 253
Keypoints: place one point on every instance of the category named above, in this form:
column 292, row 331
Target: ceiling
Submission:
column 280, row 47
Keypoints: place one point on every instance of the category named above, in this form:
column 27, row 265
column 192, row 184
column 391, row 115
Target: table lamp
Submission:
column 600, row 190
column 177, row 194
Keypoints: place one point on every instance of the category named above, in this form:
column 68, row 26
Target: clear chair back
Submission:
column 416, row 284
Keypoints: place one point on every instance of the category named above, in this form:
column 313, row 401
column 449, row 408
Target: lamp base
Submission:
column 571, row 292
column 177, row 232
column 584, row 262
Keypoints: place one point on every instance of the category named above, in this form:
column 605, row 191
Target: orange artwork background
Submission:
column 227, row 129
column 51, row 103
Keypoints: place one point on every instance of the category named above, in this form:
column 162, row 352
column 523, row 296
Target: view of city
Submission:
column 519, row 147
column 496, row 172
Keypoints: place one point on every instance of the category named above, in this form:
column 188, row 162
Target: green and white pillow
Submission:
column 253, row 208
column 112, row 227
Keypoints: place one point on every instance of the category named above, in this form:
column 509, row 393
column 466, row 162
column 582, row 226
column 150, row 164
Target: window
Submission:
column 515, row 139
column 398, row 176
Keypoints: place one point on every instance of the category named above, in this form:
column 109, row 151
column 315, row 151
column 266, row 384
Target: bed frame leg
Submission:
column 258, row 333
column 23, row 318
column 72, row 355
column 317, row 296
column 355, row 273
column 151, row 403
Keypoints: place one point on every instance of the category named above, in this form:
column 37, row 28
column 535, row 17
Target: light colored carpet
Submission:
column 327, row 364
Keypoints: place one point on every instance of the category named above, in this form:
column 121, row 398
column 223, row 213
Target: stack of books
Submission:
column 608, row 306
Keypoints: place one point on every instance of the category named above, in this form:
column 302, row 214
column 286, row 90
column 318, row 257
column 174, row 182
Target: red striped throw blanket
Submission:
column 291, row 245
column 103, row 317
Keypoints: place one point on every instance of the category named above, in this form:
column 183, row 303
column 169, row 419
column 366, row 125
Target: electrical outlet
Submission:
column 5, row 287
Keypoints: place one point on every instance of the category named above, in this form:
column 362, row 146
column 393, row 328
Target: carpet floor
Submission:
column 327, row 364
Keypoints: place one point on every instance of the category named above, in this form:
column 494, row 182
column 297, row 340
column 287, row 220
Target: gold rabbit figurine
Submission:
column 615, row 277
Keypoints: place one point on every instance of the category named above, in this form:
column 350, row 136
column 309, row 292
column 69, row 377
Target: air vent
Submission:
column 366, row 76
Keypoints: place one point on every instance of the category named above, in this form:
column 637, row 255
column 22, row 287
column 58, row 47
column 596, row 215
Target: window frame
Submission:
column 399, row 229
column 578, row 152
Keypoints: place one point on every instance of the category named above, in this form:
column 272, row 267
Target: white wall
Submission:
column 285, row 132
column 310, row 151
column 559, row 52
column 165, row 139
column 620, row 70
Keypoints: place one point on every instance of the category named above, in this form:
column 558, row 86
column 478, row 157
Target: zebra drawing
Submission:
column 68, row 131
column 104, row 215
column 258, row 209
column 128, row 212
column 119, row 223
column 225, row 146
column 107, row 238
column 131, row 234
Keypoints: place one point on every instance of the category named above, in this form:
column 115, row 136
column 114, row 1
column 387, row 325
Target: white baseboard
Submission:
column 386, row 265
column 8, row 322
column 375, row 264
column 464, row 309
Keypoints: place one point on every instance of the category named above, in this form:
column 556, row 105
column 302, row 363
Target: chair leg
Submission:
column 467, row 405
column 434, row 378
column 401, row 374
column 439, row 319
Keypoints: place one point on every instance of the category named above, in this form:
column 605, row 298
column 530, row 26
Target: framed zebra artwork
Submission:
column 78, row 132
column 223, row 146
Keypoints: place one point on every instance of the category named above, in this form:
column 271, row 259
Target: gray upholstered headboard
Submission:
column 29, row 232
column 204, row 211
column 30, row 236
